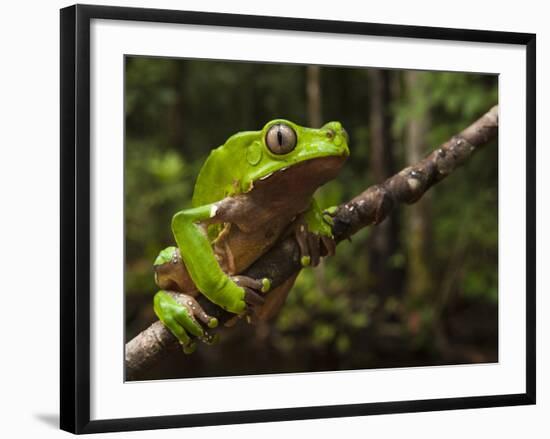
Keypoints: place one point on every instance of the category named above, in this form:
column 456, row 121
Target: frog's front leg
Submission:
column 313, row 232
column 200, row 261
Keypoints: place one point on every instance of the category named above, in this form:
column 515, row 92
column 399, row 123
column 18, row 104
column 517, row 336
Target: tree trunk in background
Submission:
column 315, row 120
column 313, row 92
column 418, row 217
column 384, row 278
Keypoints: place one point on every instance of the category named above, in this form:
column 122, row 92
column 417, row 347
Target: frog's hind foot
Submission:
column 185, row 318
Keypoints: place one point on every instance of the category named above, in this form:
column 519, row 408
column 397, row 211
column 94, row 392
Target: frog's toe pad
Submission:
column 262, row 285
column 266, row 285
column 196, row 311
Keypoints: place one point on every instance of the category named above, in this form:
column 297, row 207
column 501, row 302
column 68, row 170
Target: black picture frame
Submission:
column 75, row 217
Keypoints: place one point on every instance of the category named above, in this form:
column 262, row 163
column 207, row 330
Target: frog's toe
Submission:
column 310, row 246
column 314, row 244
column 252, row 298
column 330, row 211
column 328, row 219
column 190, row 348
column 253, row 290
column 194, row 308
column 177, row 330
column 302, row 240
column 261, row 285
column 329, row 245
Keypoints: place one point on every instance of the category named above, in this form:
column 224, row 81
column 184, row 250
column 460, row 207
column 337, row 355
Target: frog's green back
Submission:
column 222, row 172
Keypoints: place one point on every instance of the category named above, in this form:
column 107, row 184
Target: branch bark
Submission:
column 370, row 207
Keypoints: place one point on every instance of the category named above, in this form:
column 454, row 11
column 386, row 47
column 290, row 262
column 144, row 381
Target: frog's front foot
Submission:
column 181, row 314
column 313, row 245
column 253, row 291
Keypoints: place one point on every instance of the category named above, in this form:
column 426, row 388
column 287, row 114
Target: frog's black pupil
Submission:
column 280, row 136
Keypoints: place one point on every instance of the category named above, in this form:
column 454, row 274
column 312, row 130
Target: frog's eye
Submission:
column 280, row 139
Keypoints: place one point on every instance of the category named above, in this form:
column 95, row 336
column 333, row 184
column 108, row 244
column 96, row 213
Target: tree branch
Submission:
column 369, row 207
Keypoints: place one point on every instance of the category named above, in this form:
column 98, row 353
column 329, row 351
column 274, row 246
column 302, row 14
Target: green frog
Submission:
column 252, row 191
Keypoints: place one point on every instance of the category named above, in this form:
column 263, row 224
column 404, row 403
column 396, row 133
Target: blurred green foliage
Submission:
column 178, row 110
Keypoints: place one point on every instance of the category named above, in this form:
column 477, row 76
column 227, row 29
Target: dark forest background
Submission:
column 421, row 288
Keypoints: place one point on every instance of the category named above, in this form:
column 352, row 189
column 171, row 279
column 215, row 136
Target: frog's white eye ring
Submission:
column 281, row 139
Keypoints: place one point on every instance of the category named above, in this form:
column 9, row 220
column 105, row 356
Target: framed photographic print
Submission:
column 269, row 218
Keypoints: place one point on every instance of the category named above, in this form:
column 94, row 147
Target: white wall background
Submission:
column 29, row 169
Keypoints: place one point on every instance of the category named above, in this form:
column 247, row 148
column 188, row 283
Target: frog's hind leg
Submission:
column 171, row 273
column 199, row 258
